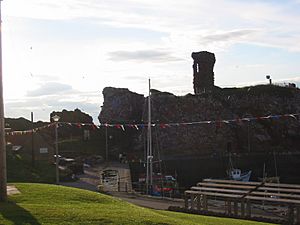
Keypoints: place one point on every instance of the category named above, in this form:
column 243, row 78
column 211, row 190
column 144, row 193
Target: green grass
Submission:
column 50, row 204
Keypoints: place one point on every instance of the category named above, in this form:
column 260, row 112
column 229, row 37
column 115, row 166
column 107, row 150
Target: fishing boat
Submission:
column 162, row 185
column 269, row 179
column 156, row 182
column 237, row 174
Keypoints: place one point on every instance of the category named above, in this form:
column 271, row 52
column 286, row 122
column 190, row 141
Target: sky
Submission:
column 60, row 54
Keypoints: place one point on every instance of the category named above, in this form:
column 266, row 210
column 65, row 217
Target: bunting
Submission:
column 218, row 123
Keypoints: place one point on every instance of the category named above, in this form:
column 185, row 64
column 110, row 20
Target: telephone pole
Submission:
column 32, row 141
column 3, row 188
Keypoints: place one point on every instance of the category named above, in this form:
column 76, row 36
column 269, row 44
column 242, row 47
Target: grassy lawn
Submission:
column 50, row 204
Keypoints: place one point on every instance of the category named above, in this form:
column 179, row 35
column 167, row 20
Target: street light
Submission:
column 56, row 119
column 269, row 78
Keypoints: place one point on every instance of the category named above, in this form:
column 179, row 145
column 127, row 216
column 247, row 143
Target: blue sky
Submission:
column 60, row 54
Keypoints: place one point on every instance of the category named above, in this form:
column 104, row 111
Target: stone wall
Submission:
column 203, row 71
column 121, row 105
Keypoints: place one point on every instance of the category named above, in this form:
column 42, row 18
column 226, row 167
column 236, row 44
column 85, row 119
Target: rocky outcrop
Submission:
column 277, row 134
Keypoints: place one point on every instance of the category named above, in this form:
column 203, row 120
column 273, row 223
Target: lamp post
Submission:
column 56, row 119
column 269, row 78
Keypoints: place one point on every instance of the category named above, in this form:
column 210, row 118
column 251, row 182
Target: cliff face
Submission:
column 277, row 134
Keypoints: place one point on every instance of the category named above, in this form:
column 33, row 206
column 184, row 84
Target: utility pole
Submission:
column 106, row 142
column 248, row 134
column 3, row 181
column 32, row 141
column 56, row 153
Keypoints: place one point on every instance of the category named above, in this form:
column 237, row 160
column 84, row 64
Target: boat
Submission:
column 156, row 182
column 163, row 185
column 237, row 174
column 269, row 179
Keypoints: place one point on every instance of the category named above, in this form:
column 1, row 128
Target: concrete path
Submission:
column 148, row 201
column 11, row 190
column 88, row 181
column 92, row 176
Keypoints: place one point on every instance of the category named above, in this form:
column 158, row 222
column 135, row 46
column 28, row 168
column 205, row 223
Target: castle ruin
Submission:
column 203, row 71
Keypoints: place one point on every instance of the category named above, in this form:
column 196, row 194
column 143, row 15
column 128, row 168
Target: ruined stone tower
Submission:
column 203, row 71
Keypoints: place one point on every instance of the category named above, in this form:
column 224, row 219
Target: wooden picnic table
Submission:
column 244, row 194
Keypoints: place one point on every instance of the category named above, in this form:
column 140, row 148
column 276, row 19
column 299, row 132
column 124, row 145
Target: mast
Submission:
column 149, row 146
column 3, row 190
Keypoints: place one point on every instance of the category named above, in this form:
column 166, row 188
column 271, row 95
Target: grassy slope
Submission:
column 50, row 204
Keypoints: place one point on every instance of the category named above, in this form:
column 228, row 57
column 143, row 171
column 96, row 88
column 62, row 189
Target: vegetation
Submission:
column 78, row 147
column 22, row 124
column 19, row 169
column 50, row 204
column 271, row 90
column 76, row 116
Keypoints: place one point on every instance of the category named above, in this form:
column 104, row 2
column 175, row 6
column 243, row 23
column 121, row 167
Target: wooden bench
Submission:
column 235, row 193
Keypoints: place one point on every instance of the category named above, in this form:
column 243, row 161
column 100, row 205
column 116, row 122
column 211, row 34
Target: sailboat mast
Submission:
column 3, row 190
column 149, row 145
column 150, row 136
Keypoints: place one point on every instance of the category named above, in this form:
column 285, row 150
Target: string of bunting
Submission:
column 138, row 126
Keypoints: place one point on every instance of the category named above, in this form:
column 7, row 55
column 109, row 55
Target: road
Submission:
column 91, row 179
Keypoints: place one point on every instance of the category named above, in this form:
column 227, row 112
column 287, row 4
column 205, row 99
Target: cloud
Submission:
column 193, row 17
column 51, row 88
column 295, row 80
column 161, row 32
column 43, row 105
column 227, row 35
column 143, row 56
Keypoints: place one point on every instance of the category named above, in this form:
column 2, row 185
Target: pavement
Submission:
column 148, row 201
column 11, row 190
column 92, row 178
column 87, row 181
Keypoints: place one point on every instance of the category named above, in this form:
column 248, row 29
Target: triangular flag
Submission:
column 162, row 125
column 122, row 127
